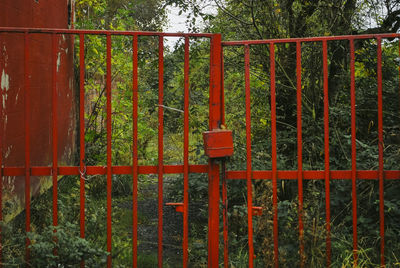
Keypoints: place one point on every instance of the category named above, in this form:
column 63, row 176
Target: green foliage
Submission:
column 51, row 246
column 70, row 248
column 144, row 15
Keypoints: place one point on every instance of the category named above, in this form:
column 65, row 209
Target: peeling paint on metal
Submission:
column 11, row 185
column 4, row 99
column 5, row 86
column 17, row 95
column 8, row 152
column 5, row 56
column 58, row 61
column 71, row 83
column 5, row 81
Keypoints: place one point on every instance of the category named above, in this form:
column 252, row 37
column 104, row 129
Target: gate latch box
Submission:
column 218, row 143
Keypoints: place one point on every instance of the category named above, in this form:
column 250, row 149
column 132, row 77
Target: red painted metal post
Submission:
column 381, row 163
column 326, row 149
column 223, row 167
column 215, row 118
column 1, row 166
column 27, row 106
column 300, row 153
column 82, row 166
column 186, row 155
column 225, row 215
column 213, row 172
column 222, row 88
column 160, row 147
column 274, row 154
column 213, row 214
column 353, row 152
column 109, row 152
column 1, row 186
column 399, row 78
column 54, row 126
column 248, row 156
column 135, row 151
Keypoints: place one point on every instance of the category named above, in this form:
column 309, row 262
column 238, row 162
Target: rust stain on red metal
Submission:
column 218, row 143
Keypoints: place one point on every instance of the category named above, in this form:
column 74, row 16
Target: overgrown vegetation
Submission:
column 236, row 20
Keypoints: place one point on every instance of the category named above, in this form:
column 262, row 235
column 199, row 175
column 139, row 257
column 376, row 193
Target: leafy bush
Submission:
column 61, row 246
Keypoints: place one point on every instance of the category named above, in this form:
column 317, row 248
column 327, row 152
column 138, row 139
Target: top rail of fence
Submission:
column 311, row 39
column 100, row 32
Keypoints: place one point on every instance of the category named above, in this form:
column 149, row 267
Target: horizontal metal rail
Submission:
column 178, row 169
column 310, row 39
column 99, row 32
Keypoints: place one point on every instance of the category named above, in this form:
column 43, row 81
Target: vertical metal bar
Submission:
column 27, row 142
column 1, row 181
column 82, row 132
column 109, row 152
column 326, row 149
column 248, row 156
column 215, row 83
column 353, row 152
column 223, row 166
column 225, row 215
column 399, row 77
column 381, row 163
column 300, row 153
column 213, row 171
column 135, row 151
column 54, row 122
column 213, row 210
column 82, row 166
column 274, row 154
column 160, row 146
column 2, row 132
column 222, row 88
column 186, row 155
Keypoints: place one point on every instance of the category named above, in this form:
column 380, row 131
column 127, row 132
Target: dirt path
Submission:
column 148, row 226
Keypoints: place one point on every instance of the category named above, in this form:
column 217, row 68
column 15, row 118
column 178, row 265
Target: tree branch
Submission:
column 230, row 14
column 254, row 20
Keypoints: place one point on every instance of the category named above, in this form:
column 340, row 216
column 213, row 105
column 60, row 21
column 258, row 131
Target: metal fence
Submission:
column 216, row 118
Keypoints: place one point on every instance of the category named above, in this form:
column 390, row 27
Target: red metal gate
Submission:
column 300, row 175
column 82, row 170
column 214, row 167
